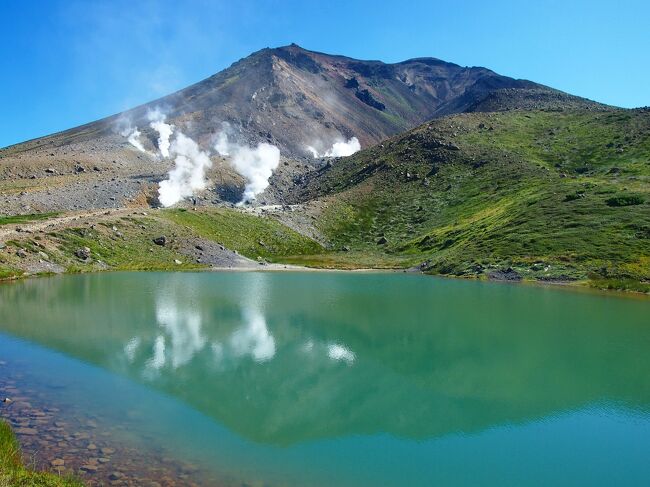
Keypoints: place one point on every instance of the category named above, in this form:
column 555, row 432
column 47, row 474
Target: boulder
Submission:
column 162, row 240
column 508, row 274
column 83, row 253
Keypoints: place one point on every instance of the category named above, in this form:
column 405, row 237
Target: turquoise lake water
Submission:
column 347, row 379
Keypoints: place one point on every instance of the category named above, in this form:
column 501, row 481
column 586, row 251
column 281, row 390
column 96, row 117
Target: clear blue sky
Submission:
column 67, row 62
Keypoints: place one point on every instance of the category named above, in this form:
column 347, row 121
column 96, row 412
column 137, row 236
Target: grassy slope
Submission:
column 12, row 471
column 7, row 220
column 536, row 191
column 115, row 243
column 10, row 272
column 125, row 243
column 250, row 235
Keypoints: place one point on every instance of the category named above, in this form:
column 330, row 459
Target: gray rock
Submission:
column 508, row 274
column 83, row 253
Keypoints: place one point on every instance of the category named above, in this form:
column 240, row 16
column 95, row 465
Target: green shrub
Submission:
column 625, row 200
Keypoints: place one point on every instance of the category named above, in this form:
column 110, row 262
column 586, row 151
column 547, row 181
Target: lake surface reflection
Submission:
column 346, row 379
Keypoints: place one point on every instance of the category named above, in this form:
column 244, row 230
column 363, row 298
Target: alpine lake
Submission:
column 325, row 379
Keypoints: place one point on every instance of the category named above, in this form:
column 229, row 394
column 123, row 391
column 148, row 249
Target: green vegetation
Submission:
column 250, row 235
column 9, row 273
column 14, row 474
column 125, row 244
column 7, row 220
column 556, row 196
column 625, row 200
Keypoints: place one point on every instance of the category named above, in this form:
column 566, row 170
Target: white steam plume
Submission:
column 188, row 173
column 133, row 136
column 256, row 165
column 165, row 130
column 343, row 149
column 222, row 146
column 338, row 149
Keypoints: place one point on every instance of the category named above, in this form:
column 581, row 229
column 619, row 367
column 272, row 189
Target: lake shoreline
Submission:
column 82, row 242
column 576, row 286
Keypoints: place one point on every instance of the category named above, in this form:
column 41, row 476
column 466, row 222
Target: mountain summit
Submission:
column 293, row 97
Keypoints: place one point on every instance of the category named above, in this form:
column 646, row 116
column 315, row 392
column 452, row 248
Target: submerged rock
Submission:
column 26, row 431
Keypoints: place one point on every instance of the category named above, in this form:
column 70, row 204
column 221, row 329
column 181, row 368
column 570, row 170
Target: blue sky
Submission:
column 68, row 62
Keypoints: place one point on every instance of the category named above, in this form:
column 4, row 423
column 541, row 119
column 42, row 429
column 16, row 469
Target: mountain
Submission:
column 462, row 172
column 288, row 96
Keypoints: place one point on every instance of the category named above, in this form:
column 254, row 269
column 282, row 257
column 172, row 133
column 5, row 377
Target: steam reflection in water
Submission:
column 181, row 336
column 253, row 337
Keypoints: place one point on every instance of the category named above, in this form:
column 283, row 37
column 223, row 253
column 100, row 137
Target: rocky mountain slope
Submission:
column 289, row 97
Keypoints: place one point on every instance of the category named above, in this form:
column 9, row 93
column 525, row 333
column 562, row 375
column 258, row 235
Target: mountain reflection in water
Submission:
column 286, row 358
